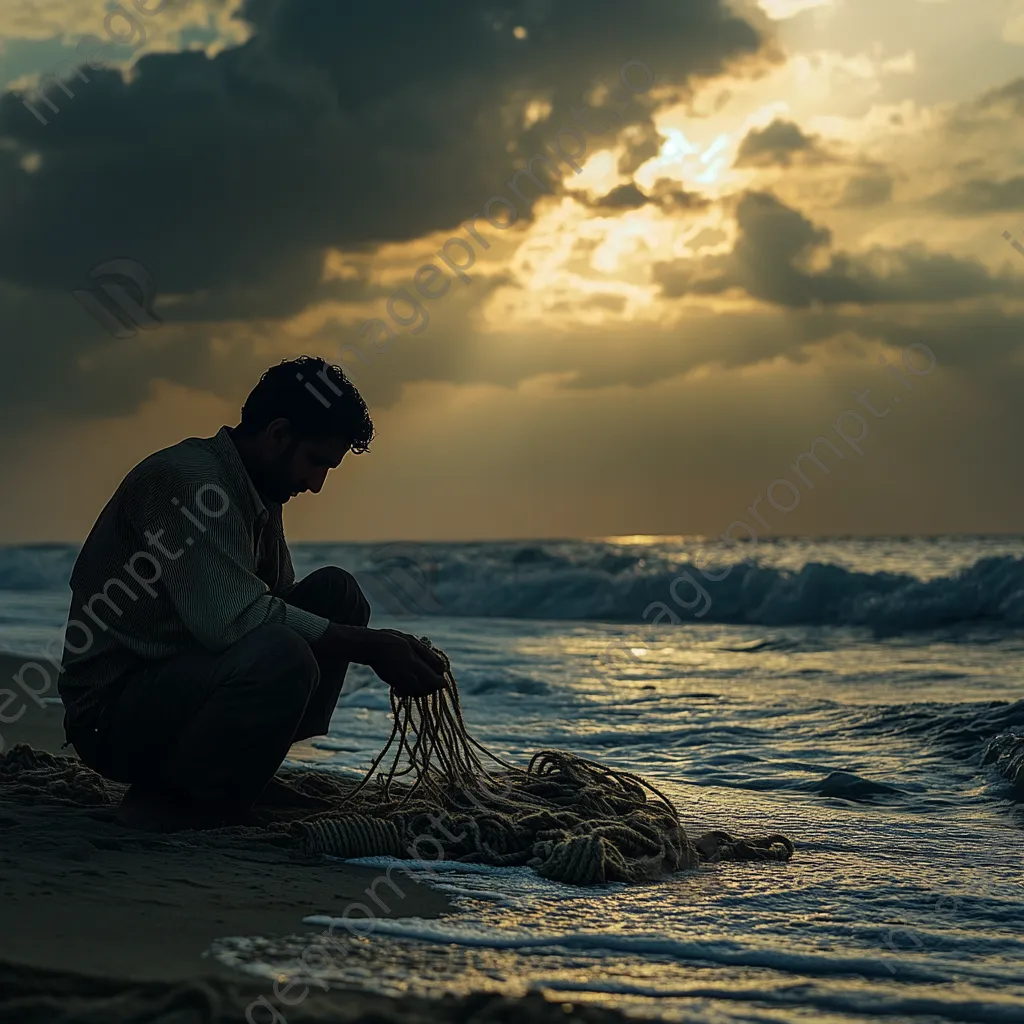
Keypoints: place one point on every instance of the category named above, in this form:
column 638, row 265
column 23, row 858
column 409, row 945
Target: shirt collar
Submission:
column 225, row 449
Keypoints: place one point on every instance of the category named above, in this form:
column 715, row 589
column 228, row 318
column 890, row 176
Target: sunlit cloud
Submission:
column 1013, row 29
column 163, row 25
column 780, row 9
column 599, row 175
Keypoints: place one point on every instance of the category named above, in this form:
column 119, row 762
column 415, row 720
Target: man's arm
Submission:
column 206, row 565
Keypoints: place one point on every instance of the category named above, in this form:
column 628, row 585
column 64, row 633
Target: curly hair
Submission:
column 315, row 397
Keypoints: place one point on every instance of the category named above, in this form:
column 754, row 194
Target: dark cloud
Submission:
column 782, row 258
column 673, row 198
column 1000, row 109
column 980, row 195
column 624, row 197
column 780, row 144
column 642, row 143
column 664, row 194
column 337, row 125
column 978, row 188
column 1008, row 97
column 867, row 190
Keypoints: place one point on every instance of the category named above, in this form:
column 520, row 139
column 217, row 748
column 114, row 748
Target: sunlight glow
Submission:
column 642, row 538
column 677, row 145
column 715, row 148
column 536, row 110
column 599, row 174
column 687, row 161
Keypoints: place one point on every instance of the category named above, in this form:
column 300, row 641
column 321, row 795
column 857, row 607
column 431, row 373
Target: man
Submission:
column 193, row 659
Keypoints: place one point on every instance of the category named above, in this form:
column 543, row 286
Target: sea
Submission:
column 863, row 696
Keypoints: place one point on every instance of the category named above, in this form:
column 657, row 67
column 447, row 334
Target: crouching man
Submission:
column 193, row 659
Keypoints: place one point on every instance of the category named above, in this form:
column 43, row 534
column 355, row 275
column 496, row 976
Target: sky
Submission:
column 750, row 225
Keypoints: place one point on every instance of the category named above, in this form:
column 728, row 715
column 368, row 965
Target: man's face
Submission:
column 294, row 467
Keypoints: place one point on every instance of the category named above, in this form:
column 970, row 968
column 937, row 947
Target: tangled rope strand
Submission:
column 572, row 819
column 442, row 754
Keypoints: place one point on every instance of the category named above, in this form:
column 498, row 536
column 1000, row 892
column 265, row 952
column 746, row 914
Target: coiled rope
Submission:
column 572, row 820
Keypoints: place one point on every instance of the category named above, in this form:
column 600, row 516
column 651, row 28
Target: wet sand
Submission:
column 38, row 997
column 80, row 893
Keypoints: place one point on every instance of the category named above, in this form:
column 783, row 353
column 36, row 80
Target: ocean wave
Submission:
column 989, row 732
column 594, row 581
column 719, row 952
column 635, row 584
column 961, row 728
column 872, row 1002
column 1006, row 753
column 990, row 592
column 35, row 567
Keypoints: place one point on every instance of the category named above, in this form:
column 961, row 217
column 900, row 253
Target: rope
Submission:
column 354, row 836
column 570, row 819
column 445, row 795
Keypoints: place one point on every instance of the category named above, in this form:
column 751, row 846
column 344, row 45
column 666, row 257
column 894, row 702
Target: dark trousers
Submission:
column 212, row 727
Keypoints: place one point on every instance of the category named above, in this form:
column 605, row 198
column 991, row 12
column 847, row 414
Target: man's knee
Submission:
column 341, row 599
column 281, row 658
column 360, row 606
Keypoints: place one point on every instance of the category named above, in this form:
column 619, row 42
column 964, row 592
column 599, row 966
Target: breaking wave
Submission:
column 990, row 733
column 1006, row 754
column 534, row 583
column 602, row 581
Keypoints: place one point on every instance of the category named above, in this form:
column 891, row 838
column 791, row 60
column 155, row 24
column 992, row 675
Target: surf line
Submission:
column 698, row 606
column 316, row 954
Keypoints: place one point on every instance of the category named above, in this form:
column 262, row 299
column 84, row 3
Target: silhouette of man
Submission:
column 193, row 659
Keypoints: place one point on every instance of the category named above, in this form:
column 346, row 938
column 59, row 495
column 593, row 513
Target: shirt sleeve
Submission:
column 200, row 549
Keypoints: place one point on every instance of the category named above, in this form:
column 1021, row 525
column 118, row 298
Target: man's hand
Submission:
column 406, row 664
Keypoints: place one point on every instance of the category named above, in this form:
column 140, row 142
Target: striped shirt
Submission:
column 186, row 552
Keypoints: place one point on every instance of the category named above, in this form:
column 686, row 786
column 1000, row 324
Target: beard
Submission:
column 275, row 481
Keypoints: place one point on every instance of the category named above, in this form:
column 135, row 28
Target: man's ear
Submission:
column 279, row 433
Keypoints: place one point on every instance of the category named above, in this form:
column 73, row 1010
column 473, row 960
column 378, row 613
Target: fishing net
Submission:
column 434, row 793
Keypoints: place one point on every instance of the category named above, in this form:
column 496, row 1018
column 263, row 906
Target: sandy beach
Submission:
column 83, row 899
column 80, row 892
